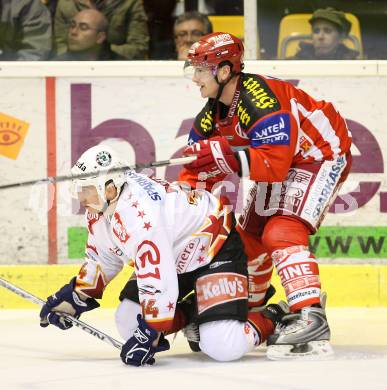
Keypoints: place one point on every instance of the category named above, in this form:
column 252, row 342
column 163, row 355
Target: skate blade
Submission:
column 314, row 350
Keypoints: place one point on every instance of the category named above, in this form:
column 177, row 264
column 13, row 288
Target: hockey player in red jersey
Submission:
column 177, row 240
column 297, row 151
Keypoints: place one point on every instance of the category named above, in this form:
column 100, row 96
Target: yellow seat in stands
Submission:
column 233, row 24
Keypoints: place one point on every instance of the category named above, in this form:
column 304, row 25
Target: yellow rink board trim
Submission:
column 347, row 285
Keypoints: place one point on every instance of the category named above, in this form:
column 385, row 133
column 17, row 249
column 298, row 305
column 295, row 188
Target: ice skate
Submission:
column 191, row 333
column 191, row 330
column 275, row 311
column 303, row 335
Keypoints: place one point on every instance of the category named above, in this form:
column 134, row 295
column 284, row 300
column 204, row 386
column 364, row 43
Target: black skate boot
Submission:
column 191, row 330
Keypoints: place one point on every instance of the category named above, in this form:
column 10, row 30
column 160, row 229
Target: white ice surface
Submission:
column 35, row 358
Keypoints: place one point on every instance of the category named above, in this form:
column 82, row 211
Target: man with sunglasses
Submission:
column 297, row 151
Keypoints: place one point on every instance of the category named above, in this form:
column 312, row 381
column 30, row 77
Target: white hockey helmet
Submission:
column 99, row 160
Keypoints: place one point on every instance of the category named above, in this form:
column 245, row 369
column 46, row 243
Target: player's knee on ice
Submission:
column 225, row 340
column 126, row 318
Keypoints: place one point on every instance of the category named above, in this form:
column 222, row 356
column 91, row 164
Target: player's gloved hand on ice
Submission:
column 214, row 157
column 138, row 350
column 66, row 300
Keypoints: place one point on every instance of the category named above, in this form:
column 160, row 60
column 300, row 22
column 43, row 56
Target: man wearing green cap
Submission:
column 329, row 28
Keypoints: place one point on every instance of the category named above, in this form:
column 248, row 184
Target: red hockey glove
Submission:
column 214, row 157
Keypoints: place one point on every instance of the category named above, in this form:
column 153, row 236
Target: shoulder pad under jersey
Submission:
column 256, row 100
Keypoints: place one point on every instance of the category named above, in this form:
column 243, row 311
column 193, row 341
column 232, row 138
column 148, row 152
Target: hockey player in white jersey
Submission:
column 177, row 240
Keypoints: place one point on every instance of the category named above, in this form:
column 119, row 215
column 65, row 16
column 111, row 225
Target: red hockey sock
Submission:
column 261, row 324
column 179, row 322
column 287, row 240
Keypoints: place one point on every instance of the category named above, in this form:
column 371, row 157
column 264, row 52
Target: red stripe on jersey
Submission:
column 161, row 325
column 319, row 120
column 340, row 127
column 313, row 133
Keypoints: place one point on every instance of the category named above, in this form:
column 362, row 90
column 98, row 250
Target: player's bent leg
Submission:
column 306, row 333
column 287, row 240
column 225, row 340
column 260, row 268
column 126, row 318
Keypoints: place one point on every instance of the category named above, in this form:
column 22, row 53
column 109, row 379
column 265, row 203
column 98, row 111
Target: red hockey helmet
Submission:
column 212, row 49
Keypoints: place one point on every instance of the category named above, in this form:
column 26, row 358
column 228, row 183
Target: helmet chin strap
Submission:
column 109, row 210
column 111, row 204
column 221, row 85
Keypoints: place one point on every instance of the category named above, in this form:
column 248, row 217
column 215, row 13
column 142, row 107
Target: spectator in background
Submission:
column 25, row 30
column 87, row 38
column 188, row 29
column 329, row 28
column 127, row 33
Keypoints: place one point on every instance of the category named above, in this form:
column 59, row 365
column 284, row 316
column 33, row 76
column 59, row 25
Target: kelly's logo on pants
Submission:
column 215, row 289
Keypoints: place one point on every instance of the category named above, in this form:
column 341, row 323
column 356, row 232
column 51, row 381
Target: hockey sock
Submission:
column 261, row 325
column 286, row 238
column 299, row 274
column 179, row 322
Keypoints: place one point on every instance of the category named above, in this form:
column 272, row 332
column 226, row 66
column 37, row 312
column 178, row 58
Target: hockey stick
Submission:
column 57, row 179
column 79, row 324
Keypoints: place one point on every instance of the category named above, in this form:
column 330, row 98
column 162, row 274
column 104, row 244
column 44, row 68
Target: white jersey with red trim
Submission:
column 160, row 229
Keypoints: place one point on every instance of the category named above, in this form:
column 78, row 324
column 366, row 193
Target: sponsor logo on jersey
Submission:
column 92, row 218
column 243, row 115
column 261, row 96
column 186, row 256
column 148, row 290
column 219, row 288
column 147, row 260
column 329, row 184
column 274, row 130
column 305, row 145
column 217, row 264
column 206, row 122
column 119, row 228
column 145, row 183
